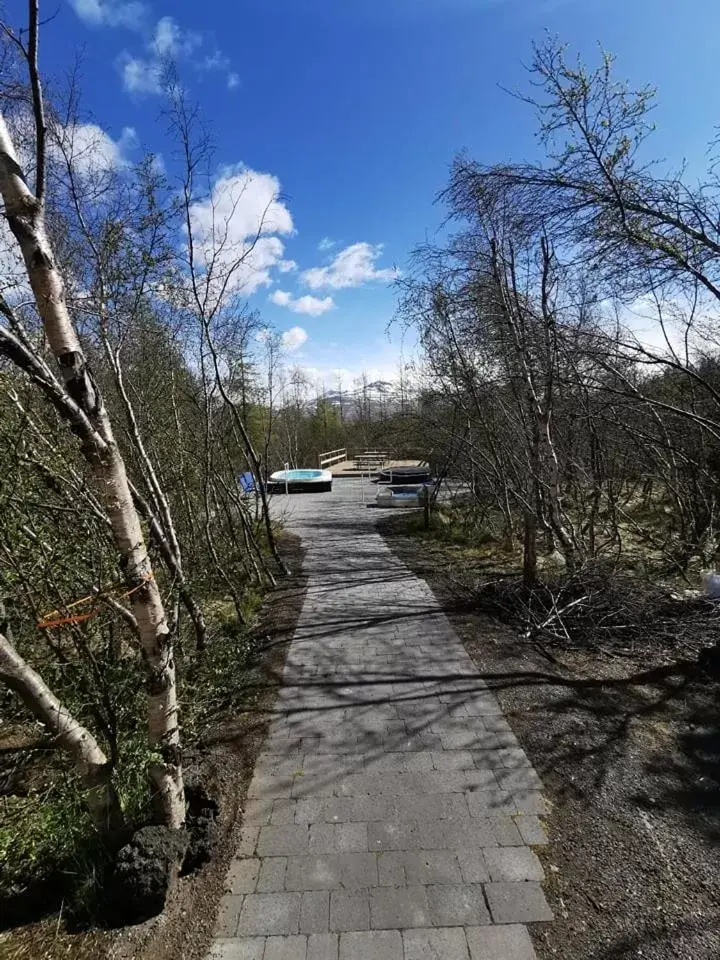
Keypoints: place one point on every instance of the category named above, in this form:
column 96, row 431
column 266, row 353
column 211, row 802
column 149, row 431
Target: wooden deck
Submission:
column 347, row 468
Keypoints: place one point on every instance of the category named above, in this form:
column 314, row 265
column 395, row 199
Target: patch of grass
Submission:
column 44, row 835
column 48, row 843
column 221, row 681
column 462, row 536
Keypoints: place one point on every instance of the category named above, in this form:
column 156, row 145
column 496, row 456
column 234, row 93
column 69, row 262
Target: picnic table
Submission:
column 370, row 459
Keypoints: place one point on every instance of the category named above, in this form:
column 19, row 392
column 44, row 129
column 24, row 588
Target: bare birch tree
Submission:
column 77, row 396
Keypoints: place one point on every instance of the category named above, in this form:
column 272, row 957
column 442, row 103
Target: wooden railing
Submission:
column 330, row 457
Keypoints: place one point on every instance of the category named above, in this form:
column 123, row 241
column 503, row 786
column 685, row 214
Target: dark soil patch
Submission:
column 629, row 750
column 222, row 765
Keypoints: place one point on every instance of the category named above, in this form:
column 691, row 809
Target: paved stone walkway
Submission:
column 392, row 812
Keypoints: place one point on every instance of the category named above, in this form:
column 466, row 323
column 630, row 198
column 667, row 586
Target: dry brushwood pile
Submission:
column 598, row 610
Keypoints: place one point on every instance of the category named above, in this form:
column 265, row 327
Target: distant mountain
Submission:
column 380, row 396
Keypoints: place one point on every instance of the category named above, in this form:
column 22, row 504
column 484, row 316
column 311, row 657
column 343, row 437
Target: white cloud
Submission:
column 312, row 306
column 141, row 76
column 327, row 243
column 293, row 338
column 111, row 13
column 236, row 231
column 92, row 154
column 351, row 267
column 281, row 298
column 91, row 150
column 216, row 61
column 170, row 40
column 287, row 266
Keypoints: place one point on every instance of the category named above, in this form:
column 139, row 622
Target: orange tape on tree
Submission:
column 53, row 620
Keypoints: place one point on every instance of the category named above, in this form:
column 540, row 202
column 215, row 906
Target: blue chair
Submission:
column 247, row 482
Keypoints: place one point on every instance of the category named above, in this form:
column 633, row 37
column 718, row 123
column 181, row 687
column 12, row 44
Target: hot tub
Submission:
column 400, row 496
column 404, row 475
column 300, row 481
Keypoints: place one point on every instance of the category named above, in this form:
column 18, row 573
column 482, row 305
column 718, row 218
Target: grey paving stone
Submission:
column 436, row 806
column 432, row 866
column 314, row 785
column 498, row 724
column 309, row 810
column 285, row 948
column 519, row 780
column 439, row 944
column 484, row 803
column 400, row 805
column 362, row 809
column 504, row 830
column 272, row 875
column 452, row 760
column 398, row 907
column 513, row 864
column 351, row 837
column 460, row 905
column 483, row 707
column 313, row 873
column 371, row 945
column 472, row 866
column 500, row 943
column 517, row 902
column 452, row 834
column 315, row 911
column 270, row 787
column 242, row 875
column 248, row 840
column 269, row 913
column 531, row 830
column 391, row 869
column 390, row 836
column 283, row 811
column 257, row 812
column 226, row 921
column 323, row 946
column 358, row 870
column 349, row 910
column 486, row 758
column 247, row 948
column 512, row 757
column 322, row 838
column 462, row 740
column 530, row 801
column 280, row 841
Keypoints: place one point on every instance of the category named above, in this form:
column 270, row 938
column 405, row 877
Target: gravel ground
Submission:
column 629, row 751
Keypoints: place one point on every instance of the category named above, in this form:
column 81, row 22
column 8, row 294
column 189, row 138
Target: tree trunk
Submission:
column 160, row 500
column 170, row 557
column 550, row 469
column 529, row 550
column 70, row 735
column 26, row 220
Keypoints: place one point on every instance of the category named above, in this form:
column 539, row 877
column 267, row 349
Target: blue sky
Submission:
column 356, row 108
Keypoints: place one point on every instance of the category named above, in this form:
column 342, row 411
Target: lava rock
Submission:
column 145, row 870
column 202, row 824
